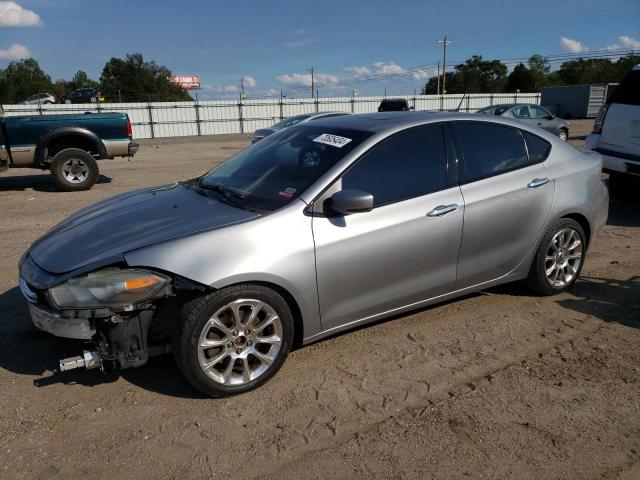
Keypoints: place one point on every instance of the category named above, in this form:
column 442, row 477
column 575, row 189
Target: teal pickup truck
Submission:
column 67, row 145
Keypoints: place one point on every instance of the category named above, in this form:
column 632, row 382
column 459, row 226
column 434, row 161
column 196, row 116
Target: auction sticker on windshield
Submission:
column 333, row 140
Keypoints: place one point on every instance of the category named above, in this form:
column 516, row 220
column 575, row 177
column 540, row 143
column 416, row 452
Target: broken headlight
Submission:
column 107, row 288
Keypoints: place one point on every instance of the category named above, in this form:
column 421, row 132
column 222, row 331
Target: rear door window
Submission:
column 521, row 112
column 488, row 150
column 407, row 165
column 537, row 147
column 539, row 112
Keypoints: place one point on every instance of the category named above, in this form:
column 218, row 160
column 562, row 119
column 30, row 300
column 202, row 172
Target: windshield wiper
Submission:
column 227, row 194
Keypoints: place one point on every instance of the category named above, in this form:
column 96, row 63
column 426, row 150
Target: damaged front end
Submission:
column 120, row 316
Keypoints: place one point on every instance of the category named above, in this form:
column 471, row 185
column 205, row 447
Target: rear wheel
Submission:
column 559, row 258
column 74, row 169
column 67, row 101
column 233, row 340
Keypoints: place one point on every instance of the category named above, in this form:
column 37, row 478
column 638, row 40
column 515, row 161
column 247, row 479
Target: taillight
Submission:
column 597, row 125
column 129, row 131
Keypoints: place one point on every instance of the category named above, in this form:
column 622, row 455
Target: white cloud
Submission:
column 615, row 46
column 629, row 42
column 249, row 81
column 13, row 15
column 358, row 71
column 383, row 68
column 304, row 79
column 423, row 74
column 15, row 52
column 573, row 46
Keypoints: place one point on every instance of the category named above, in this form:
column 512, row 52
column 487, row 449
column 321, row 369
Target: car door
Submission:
column 508, row 195
column 404, row 250
column 542, row 118
column 521, row 112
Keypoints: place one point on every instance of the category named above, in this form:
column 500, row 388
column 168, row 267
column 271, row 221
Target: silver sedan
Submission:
column 319, row 228
column 534, row 115
column 291, row 121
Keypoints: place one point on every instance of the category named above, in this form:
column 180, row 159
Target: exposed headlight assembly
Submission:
column 107, row 288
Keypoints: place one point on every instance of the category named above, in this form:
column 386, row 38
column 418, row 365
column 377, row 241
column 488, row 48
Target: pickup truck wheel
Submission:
column 234, row 339
column 74, row 169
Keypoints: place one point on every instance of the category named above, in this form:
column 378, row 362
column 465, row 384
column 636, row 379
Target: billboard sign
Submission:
column 187, row 82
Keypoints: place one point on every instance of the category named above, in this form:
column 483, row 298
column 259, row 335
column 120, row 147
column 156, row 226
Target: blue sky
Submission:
column 273, row 43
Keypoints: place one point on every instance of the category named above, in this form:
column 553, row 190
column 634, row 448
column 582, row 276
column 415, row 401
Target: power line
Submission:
column 552, row 59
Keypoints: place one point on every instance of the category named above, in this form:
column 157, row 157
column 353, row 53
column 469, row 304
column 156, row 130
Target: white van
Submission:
column 616, row 132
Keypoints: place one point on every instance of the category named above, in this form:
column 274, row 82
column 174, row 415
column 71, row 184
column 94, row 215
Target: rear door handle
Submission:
column 441, row 210
column 538, row 182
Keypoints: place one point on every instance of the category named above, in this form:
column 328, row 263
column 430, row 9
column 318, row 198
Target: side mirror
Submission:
column 549, row 117
column 347, row 202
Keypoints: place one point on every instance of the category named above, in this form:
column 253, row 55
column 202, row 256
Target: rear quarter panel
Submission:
column 579, row 185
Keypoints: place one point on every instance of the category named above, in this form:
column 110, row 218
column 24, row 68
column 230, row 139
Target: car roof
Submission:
column 319, row 114
column 389, row 121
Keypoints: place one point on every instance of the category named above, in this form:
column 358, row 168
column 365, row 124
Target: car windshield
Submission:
column 288, row 122
column 276, row 170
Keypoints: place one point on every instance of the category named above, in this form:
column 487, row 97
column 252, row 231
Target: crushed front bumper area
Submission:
column 54, row 323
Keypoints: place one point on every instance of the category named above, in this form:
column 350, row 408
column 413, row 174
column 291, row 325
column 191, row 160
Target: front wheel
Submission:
column 74, row 169
column 67, row 101
column 564, row 135
column 233, row 340
column 559, row 258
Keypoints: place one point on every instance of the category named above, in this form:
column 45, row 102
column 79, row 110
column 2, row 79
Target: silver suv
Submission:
column 40, row 99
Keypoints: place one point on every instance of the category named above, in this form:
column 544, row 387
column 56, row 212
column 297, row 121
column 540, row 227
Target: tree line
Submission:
column 129, row 79
column 476, row 75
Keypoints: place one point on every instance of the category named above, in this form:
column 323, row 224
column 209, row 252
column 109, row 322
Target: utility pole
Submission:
column 312, row 83
column 444, row 42
column 242, row 88
column 438, row 88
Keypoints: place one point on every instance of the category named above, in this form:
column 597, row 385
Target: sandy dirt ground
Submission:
column 499, row 384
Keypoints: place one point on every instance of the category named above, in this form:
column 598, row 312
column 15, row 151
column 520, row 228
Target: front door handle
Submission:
column 442, row 210
column 538, row 182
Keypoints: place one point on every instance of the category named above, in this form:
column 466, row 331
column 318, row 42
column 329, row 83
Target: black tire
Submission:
column 537, row 279
column 192, row 320
column 623, row 187
column 84, row 161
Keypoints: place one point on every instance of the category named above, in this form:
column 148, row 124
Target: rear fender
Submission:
column 69, row 131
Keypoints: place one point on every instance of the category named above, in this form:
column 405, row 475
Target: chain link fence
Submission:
column 216, row 117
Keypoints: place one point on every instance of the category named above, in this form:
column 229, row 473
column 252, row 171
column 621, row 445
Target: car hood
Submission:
column 103, row 232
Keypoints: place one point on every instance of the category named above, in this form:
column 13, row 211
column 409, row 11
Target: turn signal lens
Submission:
column 142, row 282
column 599, row 122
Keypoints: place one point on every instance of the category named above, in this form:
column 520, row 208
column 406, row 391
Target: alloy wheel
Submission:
column 563, row 257
column 240, row 342
column 75, row 170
